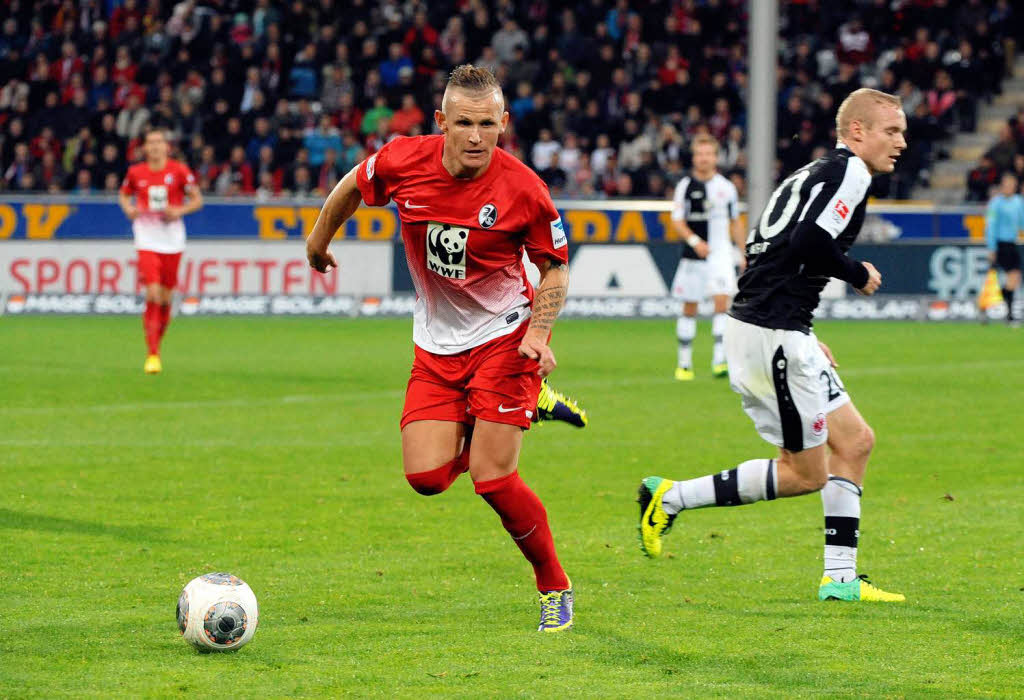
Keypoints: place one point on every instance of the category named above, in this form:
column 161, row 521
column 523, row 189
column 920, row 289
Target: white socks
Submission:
column 717, row 330
column 751, row 481
column 841, row 501
column 686, row 329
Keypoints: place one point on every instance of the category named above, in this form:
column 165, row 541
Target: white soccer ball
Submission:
column 217, row 612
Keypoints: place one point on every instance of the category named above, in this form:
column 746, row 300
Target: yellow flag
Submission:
column 990, row 294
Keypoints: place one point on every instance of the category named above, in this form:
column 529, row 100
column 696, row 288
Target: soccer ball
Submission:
column 217, row 612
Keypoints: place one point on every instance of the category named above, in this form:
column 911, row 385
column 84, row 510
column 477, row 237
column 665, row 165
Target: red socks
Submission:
column 524, row 517
column 154, row 322
column 438, row 480
column 151, row 325
column 165, row 319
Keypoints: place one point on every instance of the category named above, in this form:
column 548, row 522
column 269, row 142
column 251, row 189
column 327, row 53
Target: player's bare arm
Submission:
column 700, row 247
column 127, row 203
column 554, row 284
column 739, row 239
column 193, row 203
column 340, row 204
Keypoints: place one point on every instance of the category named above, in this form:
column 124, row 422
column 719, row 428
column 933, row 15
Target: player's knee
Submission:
column 428, row 483
column 859, row 445
column 435, row 481
column 867, row 440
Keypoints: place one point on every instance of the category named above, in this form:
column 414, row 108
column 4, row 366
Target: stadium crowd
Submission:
column 271, row 98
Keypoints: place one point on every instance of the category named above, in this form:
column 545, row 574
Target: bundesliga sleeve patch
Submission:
column 370, row 163
column 558, row 239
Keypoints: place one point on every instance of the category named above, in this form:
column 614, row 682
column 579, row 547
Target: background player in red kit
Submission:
column 481, row 333
column 155, row 194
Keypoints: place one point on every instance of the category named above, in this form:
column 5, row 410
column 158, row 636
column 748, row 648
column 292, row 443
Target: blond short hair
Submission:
column 473, row 79
column 859, row 107
column 704, row 140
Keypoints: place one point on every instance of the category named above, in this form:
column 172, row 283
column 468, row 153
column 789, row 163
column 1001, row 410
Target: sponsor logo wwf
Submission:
column 446, row 250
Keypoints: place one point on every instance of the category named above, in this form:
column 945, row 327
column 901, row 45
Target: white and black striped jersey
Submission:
column 801, row 240
column 707, row 207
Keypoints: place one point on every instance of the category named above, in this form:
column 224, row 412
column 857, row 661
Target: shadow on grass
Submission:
column 14, row 520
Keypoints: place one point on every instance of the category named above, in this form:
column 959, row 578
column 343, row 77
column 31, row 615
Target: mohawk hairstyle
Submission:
column 475, row 80
column 469, row 77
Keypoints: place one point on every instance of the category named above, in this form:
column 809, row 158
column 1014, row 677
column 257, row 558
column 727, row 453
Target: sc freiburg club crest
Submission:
column 488, row 215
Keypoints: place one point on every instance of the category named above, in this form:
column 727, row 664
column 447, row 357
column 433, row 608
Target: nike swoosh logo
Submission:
column 410, row 205
column 502, row 409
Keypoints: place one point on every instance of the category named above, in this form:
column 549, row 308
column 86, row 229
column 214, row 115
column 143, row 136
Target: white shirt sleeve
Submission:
column 839, row 209
column 679, row 200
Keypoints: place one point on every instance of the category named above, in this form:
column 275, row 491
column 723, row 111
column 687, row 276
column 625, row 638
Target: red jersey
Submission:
column 464, row 239
column 154, row 191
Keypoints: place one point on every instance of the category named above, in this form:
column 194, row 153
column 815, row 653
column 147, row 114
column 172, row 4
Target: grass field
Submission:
column 269, row 448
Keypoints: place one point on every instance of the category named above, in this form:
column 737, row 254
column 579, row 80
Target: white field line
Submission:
column 362, row 396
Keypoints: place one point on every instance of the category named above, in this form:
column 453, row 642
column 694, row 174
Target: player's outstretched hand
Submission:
column 321, row 261
column 131, row 212
column 874, row 280
column 538, row 350
column 702, row 250
column 828, row 354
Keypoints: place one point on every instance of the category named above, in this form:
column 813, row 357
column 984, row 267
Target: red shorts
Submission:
column 492, row 382
column 159, row 268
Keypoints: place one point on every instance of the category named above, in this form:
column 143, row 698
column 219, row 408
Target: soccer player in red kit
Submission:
column 468, row 211
column 163, row 190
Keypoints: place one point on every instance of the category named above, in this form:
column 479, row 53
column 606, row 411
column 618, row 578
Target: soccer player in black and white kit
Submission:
column 705, row 213
column 787, row 379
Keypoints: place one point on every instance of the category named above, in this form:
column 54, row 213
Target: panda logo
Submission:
column 446, row 249
column 487, row 216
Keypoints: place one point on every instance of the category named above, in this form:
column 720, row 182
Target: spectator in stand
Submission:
column 318, row 141
column 83, row 183
column 981, row 180
column 132, row 119
column 409, row 116
column 380, row 113
column 543, row 150
column 49, row 174
column 236, row 177
column 262, row 138
column 553, row 175
column 302, row 185
column 328, row 173
column 1003, row 151
column 352, row 153
column 20, row 166
column 397, row 60
column 941, row 100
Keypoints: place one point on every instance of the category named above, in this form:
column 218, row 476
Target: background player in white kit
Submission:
column 786, row 378
column 705, row 213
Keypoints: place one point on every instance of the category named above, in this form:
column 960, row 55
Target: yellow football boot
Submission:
column 153, row 365
column 654, row 521
column 857, row 589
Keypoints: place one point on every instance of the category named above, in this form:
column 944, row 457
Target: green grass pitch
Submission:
column 269, row 448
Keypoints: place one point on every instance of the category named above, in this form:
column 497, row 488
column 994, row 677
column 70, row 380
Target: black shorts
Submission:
column 1007, row 256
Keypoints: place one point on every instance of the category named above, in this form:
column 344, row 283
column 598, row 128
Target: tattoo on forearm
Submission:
column 546, row 306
